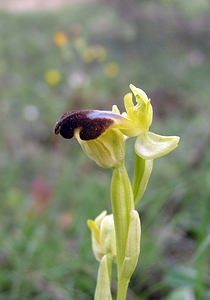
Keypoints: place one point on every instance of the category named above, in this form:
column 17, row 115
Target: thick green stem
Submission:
column 122, row 289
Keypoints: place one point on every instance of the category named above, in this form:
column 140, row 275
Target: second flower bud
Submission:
column 103, row 235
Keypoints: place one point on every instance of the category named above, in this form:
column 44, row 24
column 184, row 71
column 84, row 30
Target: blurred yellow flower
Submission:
column 111, row 70
column 60, row 39
column 101, row 53
column 53, row 77
column 94, row 53
column 89, row 54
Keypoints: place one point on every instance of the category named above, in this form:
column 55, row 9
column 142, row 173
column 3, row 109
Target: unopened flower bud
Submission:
column 103, row 235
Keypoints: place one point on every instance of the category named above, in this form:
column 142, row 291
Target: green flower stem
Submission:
column 122, row 289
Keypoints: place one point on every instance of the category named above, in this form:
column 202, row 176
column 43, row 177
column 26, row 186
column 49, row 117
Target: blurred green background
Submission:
column 84, row 55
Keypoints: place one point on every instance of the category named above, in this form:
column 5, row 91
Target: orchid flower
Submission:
column 99, row 132
column 102, row 136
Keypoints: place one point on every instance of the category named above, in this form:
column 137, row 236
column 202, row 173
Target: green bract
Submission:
column 103, row 289
column 132, row 249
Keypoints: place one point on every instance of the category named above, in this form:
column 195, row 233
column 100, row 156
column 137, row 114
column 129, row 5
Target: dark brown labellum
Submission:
column 92, row 124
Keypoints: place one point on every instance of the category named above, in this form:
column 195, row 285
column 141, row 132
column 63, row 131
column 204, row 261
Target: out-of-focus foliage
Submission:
column 85, row 57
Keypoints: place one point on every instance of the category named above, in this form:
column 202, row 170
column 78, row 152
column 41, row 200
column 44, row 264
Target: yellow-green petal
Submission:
column 94, row 229
column 150, row 145
column 140, row 114
column 128, row 102
column 141, row 96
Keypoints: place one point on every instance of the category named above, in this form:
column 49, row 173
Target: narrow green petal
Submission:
column 150, row 145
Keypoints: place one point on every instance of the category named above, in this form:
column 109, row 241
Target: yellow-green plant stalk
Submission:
column 102, row 136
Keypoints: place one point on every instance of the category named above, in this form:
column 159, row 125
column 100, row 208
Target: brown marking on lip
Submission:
column 90, row 127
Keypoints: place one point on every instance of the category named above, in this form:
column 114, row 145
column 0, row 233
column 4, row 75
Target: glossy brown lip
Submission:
column 92, row 124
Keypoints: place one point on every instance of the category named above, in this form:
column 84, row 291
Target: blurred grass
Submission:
column 46, row 195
